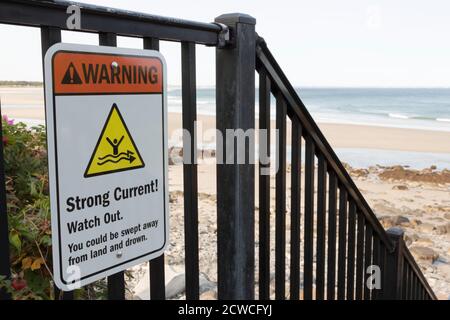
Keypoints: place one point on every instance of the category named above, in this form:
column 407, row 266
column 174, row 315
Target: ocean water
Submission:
column 404, row 108
column 416, row 108
column 393, row 107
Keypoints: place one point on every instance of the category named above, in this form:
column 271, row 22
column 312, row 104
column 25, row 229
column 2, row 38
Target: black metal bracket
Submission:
column 223, row 38
column 260, row 41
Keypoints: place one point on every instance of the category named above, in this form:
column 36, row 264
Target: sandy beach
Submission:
column 420, row 208
column 417, row 201
column 358, row 136
column 339, row 135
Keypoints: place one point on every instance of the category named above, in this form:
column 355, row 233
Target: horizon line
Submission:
column 211, row 86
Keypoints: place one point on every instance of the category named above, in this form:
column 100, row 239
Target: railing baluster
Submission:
column 296, row 167
column 190, row 179
column 383, row 252
column 351, row 251
column 116, row 286
column 309, row 219
column 49, row 37
column 116, row 282
column 412, row 279
column 342, row 241
column 280, row 198
column 405, row 280
column 418, row 288
column 360, row 258
column 418, row 285
column 151, row 43
column 157, row 272
column 264, row 186
column 367, row 259
column 413, row 283
column 331, row 265
column 321, row 215
column 376, row 262
column 107, row 39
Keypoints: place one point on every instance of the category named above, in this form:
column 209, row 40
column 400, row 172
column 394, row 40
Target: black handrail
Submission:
column 37, row 13
column 266, row 60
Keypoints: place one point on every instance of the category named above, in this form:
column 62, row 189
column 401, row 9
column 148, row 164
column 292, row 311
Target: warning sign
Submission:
column 107, row 140
column 115, row 149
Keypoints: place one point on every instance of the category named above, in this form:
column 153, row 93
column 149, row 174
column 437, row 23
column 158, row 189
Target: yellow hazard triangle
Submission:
column 115, row 150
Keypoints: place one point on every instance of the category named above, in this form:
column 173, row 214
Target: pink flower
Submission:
column 18, row 284
column 9, row 122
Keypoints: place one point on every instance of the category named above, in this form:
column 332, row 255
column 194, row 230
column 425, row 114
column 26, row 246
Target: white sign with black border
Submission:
column 106, row 119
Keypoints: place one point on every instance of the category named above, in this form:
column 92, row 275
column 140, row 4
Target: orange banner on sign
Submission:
column 93, row 73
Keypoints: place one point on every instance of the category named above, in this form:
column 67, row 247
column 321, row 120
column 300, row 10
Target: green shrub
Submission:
column 28, row 208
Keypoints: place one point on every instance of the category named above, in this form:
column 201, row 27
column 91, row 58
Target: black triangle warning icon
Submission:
column 71, row 76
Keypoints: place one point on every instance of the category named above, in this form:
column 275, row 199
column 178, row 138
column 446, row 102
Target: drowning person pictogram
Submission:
column 116, row 156
column 115, row 150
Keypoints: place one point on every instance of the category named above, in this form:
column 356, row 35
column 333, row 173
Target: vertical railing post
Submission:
column 235, row 100
column 157, row 265
column 394, row 266
column 264, row 186
column 190, row 176
column 49, row 37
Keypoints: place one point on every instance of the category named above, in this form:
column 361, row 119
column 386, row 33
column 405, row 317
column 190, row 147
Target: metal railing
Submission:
column 349, row 239
column 336, row 219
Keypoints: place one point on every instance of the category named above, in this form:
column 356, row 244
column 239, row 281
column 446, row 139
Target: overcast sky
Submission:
column 386, row 43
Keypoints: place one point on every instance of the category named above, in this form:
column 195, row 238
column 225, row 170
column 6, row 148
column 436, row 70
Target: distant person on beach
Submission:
column 115, row 145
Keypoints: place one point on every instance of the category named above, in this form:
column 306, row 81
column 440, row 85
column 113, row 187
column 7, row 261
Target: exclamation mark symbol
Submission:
column 71, row 76
column 71, row 71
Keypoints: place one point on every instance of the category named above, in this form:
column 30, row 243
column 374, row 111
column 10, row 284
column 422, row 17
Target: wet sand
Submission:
column 339, row 135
